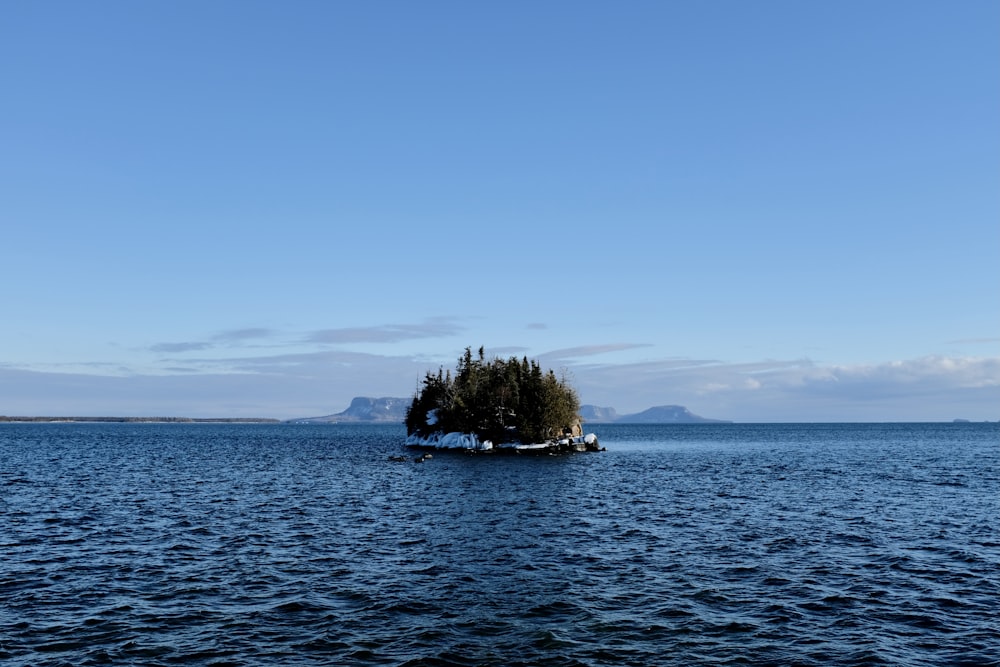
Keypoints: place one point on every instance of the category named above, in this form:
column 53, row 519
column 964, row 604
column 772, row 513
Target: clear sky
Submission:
column 764, row 211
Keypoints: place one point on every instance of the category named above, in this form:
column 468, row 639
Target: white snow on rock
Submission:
column 456, row 440
column 452, row 440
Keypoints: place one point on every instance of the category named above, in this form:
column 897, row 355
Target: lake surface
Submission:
column 165, row 544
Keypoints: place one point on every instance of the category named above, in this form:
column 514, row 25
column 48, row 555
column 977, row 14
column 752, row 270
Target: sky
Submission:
column 772, row 211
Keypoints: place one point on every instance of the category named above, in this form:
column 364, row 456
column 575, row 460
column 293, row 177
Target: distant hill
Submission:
column 598, row 415
column 365, row 409
column 393, row 410
column 663, row 414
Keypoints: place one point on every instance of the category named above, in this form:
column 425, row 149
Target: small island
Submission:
column 497, row 406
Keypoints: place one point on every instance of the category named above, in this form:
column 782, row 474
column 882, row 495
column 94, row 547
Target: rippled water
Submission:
column 681, row 545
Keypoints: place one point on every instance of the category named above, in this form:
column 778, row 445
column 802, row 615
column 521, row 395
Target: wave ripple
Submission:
column 299, row 545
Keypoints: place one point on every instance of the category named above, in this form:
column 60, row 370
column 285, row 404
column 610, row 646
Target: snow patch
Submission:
column 454, row 440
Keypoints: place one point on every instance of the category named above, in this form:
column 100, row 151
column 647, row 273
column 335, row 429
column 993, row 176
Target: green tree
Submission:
column 502, row 400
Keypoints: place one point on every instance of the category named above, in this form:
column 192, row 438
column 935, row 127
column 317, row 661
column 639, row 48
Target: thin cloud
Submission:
column 324, row 363
column 89, row 368
column 231, row 338
column 282, row 386
column 310, row 361
column 387, row 333
column 240, row 335
column 928, row 388
column 323, row 382
column 251, row 337
column 569, row 353
column 926, row 374
column 175, row 348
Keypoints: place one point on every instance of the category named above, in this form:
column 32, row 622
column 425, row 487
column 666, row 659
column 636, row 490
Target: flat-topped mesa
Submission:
column 498, row 406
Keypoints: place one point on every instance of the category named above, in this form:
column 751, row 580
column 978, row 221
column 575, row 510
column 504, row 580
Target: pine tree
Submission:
column 500, row 400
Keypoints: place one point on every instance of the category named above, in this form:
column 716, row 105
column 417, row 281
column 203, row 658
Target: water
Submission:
column 681, row 545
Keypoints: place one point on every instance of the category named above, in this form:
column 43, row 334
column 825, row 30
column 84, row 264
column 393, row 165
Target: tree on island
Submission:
column 501, row 400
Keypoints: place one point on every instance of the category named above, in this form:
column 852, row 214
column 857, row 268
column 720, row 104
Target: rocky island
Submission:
column 497, row 406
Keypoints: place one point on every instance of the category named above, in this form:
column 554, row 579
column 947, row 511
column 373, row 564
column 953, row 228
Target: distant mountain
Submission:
column 393, row 410
column 667, row 414
column 663, row 414
column 365, row 409
column 598, row 415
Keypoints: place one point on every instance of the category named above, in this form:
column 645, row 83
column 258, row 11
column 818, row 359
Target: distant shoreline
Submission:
column 142, row 420
column 4, row 419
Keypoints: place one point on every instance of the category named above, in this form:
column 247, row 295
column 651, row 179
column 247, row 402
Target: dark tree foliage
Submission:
column 503, row 400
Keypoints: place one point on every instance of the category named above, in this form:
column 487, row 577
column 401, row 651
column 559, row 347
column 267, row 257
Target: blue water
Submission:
column 164, row 544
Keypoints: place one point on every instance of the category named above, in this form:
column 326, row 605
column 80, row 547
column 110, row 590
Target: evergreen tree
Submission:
column 499, row 400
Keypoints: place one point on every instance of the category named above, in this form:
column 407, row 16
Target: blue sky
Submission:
column 764, row 211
